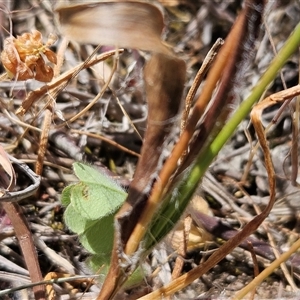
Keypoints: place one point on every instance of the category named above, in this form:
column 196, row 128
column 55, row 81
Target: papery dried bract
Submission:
column 13, row 64
column 43, row 72
column 24, row 57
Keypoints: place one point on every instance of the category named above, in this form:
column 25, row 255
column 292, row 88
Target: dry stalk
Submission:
column 61, row 81
column 107, row 140
column 43, row 141
column 25, row 239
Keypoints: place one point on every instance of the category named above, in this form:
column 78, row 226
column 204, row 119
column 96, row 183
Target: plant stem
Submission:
column 244, row 109
column 24, row 236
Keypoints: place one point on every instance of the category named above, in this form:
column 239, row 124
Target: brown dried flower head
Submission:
column 25, row 57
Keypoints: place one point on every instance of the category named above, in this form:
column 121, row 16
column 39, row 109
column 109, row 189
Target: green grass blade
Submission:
column 290, row 46
column 175, row 203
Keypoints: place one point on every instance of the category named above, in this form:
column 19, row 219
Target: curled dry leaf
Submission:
column 24, row 57
column 130, row 24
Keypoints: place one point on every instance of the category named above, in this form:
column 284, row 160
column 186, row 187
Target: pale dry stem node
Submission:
column 24, row 57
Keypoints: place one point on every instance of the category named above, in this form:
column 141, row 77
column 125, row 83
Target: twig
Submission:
column 268, row 271
column 107, row 140
column 61, row 81
column 50, row 281
column 24, row 236
column 21, row 227
column 208, row 60
column 187, row 222
column 256, row 269
column 44, row 140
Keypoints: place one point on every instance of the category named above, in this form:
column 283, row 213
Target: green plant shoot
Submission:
column 91, row 204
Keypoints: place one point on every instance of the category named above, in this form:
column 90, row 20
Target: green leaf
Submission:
column 96, row 196
column 88, row 174
column 66, row 195
column 74, row 221
column 96, row 236
column 91, row 205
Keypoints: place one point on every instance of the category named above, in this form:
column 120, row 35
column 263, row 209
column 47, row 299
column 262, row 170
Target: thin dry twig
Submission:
column 25, row 239
column 179, row 263
column 22, row 231
column 43, row 143
column 255, row 264
column 107, row 140
column 208, row 61
column 61, row 81
column 100, row 94
column 268, row 271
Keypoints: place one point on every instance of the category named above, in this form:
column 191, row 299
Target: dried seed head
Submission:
column 24, row 57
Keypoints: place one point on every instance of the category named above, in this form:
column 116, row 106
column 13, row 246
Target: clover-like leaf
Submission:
column 91, row 205
column 96, row 195
column 96, row 236
column 74, row 221
column 66, row 195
